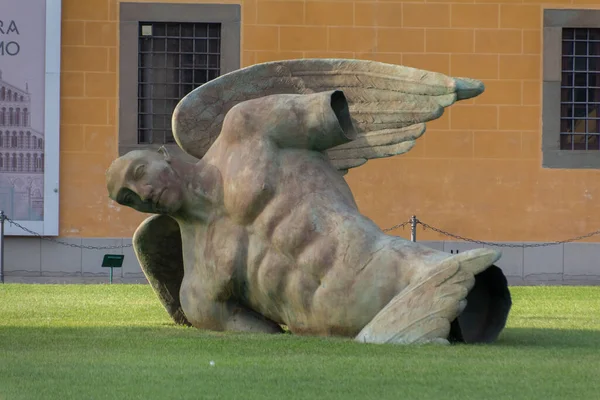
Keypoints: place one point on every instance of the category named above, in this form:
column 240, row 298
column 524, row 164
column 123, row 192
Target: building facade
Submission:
column 517, row 165
column 21, row 155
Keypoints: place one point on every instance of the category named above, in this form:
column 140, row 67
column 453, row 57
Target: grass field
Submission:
column 116, row 342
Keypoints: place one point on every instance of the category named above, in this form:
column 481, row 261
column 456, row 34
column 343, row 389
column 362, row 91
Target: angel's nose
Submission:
column 145, row 192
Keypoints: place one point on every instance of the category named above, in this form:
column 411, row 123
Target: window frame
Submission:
column 131, row 14
column 554, row 20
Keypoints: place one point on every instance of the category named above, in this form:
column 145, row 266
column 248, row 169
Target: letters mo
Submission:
column 9, row 47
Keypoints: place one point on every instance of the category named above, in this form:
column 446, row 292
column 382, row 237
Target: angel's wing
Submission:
column 157, row 246
column 389, row 104
column 425, row 310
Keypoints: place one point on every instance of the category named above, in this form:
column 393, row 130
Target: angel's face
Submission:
column 145, row 181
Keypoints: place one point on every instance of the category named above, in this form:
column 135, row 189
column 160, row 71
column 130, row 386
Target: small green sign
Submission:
column 113, row 260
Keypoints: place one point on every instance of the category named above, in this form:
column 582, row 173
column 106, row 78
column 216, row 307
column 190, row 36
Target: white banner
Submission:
column 30, row 114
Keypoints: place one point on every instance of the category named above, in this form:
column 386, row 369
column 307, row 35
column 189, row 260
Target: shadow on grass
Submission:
column 549, row 337
column 38, row 335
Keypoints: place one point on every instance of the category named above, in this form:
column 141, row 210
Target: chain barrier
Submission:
column 402, row 225
column 523, row 245
column 49, row 239
column 495, row 244
column 398, row 226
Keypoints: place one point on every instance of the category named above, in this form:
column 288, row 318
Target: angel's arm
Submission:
column 230, row 316
column 158, row 248
column 318, row 121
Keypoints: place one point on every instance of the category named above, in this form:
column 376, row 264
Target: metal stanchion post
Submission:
column 2, row 218
column 413, row 228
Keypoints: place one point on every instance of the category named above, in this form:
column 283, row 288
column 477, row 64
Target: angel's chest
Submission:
column 247, row 188
column 213, row 251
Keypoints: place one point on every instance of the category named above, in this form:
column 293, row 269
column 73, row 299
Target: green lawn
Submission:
column 115, row 342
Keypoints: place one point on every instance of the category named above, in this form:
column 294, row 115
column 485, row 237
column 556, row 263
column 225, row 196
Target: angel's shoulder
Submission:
column 238, row 122
column 252, row 119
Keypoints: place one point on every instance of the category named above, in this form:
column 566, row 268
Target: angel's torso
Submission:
column 291, row 243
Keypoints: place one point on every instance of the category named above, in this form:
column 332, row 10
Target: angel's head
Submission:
column 145, row 181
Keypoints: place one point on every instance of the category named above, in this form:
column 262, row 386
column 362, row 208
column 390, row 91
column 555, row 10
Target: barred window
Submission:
column 580, row 89
column 173, row 59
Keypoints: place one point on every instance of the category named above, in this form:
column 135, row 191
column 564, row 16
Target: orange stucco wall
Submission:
column 476, row 172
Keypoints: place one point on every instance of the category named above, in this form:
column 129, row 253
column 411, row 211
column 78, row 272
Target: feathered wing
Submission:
column 158, row 248
column 389, row 104
column 425, row 310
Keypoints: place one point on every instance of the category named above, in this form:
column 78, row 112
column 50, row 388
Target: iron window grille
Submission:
column 173, row 60
column 580, row 89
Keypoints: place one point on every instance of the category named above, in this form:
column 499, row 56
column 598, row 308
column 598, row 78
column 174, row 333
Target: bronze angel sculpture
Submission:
column 263, row 231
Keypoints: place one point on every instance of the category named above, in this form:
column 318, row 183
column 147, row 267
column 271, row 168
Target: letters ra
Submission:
column 8, row 27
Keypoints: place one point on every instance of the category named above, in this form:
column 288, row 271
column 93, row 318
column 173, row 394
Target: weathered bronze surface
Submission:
column 263, row 230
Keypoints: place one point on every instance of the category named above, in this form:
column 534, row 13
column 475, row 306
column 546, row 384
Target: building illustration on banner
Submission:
column 21, row 155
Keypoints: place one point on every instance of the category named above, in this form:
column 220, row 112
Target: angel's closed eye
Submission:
column 139, row 171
